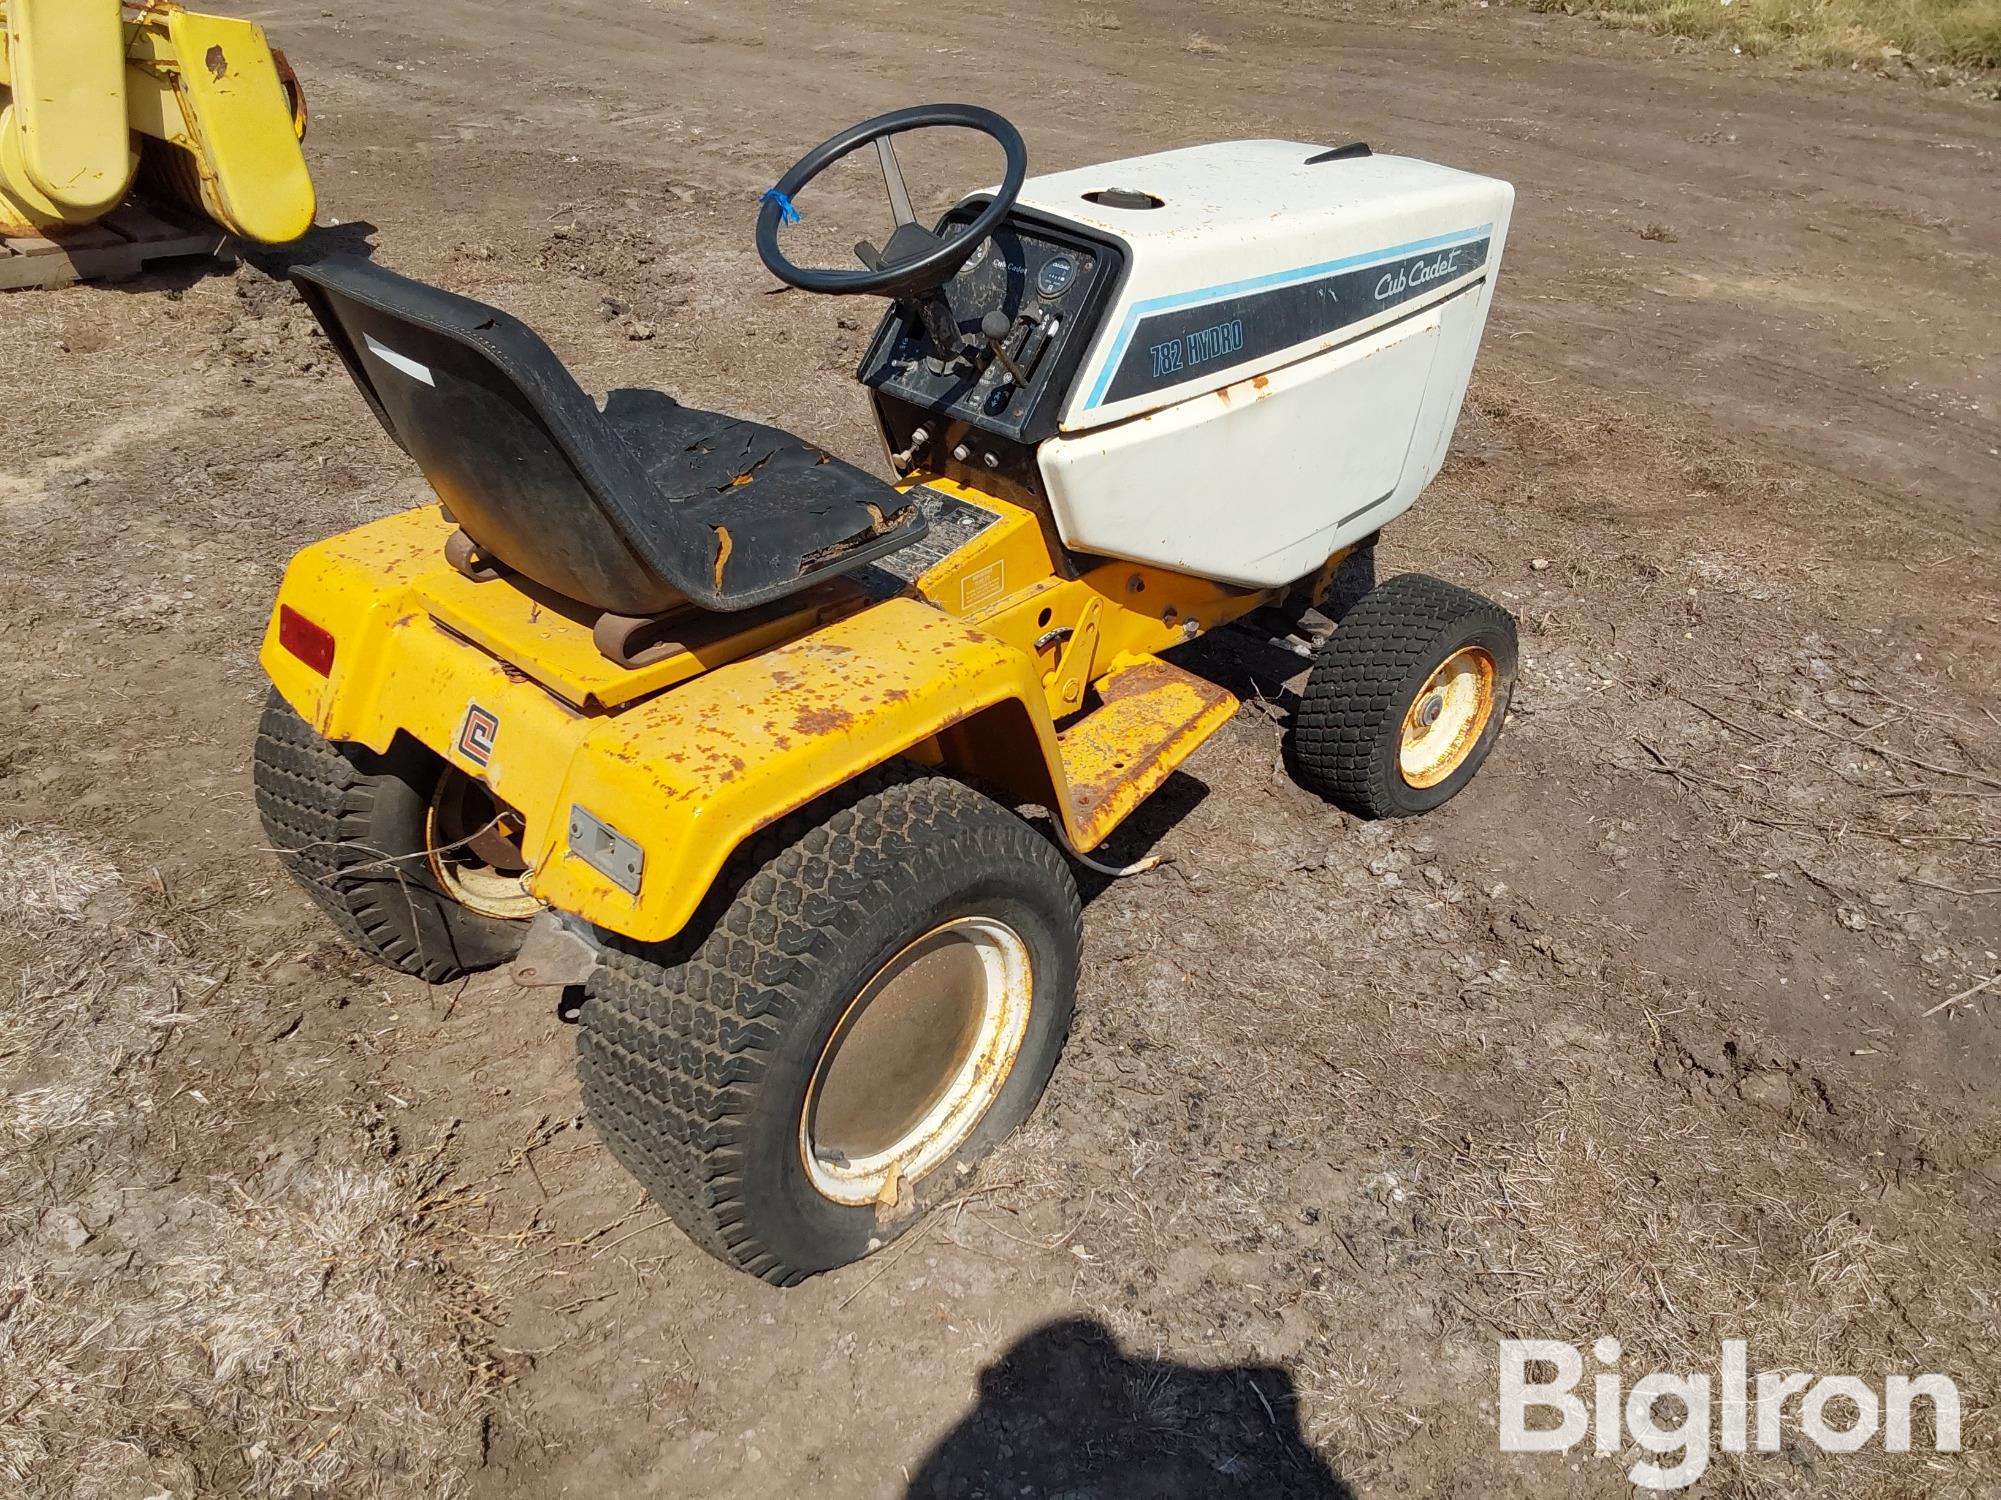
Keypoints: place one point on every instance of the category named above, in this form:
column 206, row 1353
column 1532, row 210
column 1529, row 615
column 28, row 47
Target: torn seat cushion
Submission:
column 775, row 502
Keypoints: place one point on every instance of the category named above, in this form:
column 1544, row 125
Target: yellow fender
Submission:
column 688, row 774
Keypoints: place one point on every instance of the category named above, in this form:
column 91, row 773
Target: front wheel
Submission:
column 878, row 998
column 1406, row 699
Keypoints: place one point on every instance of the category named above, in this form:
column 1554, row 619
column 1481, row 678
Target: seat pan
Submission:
column 776, row 496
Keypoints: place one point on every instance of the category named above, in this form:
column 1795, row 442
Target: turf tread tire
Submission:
column 348, row 826
column 1346, row 733
column 690, row 1052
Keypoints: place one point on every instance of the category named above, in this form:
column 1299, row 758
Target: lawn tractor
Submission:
column 772, row 771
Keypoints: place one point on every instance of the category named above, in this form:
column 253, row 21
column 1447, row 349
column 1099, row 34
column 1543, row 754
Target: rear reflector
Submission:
column 312, row 644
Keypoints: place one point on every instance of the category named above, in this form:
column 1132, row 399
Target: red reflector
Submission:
column 312, row 644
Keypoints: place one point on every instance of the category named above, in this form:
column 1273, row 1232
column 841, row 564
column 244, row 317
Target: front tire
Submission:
column 353, row 828
column 1406, row 698
column 877, row 996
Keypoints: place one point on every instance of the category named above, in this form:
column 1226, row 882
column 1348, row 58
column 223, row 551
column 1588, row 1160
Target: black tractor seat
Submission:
column 631, row 510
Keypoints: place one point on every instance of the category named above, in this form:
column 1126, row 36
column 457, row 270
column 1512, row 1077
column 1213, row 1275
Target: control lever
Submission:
column 995, row 328
column 903, row 460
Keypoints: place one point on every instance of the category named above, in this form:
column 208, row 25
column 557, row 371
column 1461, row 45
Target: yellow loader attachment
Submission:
column 94, row 94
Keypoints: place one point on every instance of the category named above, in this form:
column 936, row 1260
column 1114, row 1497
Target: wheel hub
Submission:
column 1447, row 717
column 917, row 1060
column 473, row 843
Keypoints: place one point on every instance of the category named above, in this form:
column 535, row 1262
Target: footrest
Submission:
column 1152, row 717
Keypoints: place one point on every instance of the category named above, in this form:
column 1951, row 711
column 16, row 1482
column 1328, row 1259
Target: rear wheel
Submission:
column 398, row 849
column 878, row 996
column 1406, row 699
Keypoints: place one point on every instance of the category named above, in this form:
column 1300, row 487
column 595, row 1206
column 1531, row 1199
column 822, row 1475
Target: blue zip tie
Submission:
column 785, row 209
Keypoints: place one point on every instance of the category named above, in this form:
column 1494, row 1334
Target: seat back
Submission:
column 517, row 452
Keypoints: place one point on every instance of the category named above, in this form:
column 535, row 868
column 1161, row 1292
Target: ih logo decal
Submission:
column 477, row 734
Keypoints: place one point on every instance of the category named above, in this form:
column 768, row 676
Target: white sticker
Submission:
column 397, row 361
column 983, row 586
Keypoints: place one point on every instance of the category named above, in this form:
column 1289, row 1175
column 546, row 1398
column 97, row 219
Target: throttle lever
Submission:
column 995, row 328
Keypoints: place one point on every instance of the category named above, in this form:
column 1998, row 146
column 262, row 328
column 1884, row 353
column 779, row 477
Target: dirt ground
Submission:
column 1668, row 1029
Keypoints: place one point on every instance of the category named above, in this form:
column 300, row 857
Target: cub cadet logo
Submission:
column 1409, row 277
column 477, row 734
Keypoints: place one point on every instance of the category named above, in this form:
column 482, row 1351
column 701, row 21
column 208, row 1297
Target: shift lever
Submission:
column 995, row 327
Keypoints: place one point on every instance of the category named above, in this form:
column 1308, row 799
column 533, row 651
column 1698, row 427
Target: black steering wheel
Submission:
column 914, row 260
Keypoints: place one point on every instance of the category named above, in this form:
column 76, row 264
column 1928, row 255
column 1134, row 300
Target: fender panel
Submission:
column 688, row 773
column 695, row 771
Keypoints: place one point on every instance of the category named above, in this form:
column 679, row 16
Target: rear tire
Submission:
column 348, row 825
column 1414, row 645
column 707, row 1062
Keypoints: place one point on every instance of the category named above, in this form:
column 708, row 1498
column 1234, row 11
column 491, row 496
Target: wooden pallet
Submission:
column 116, row 247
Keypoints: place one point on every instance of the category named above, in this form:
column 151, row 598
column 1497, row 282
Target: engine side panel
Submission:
column 1257, row 483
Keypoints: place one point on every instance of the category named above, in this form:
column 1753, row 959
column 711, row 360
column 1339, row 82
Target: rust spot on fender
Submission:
column 818, row 721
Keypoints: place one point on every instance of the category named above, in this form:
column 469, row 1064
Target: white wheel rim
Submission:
column 458, row 853
column 917, row 1061
column 1447, row 717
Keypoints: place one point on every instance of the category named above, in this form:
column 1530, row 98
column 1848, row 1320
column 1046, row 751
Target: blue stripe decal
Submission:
column 1275, row 280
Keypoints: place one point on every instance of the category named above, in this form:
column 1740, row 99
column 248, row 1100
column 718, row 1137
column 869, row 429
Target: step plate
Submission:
column 1152, row 717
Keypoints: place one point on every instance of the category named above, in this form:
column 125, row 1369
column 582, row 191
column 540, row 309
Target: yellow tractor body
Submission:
column 984, row 666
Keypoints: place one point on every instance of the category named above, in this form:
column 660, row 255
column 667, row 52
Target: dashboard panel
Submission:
column 1051, row 281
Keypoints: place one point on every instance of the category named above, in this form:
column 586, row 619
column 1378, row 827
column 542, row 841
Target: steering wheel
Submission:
column 914, row 260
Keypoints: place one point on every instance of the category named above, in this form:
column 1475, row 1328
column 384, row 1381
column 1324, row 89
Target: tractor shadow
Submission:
column 1248, row 665
column 1067, row 1412
column 356, row 238
column 1140, row 834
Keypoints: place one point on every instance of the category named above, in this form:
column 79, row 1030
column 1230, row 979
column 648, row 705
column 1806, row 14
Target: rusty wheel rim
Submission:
column 472, row 841
column 917, row 1061
column 1447, row 717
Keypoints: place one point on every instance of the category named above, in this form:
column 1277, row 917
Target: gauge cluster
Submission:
column 1048, row 284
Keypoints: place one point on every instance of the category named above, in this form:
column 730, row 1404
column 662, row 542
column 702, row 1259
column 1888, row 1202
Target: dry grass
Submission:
column 181, row 1310
column 1963, row 34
